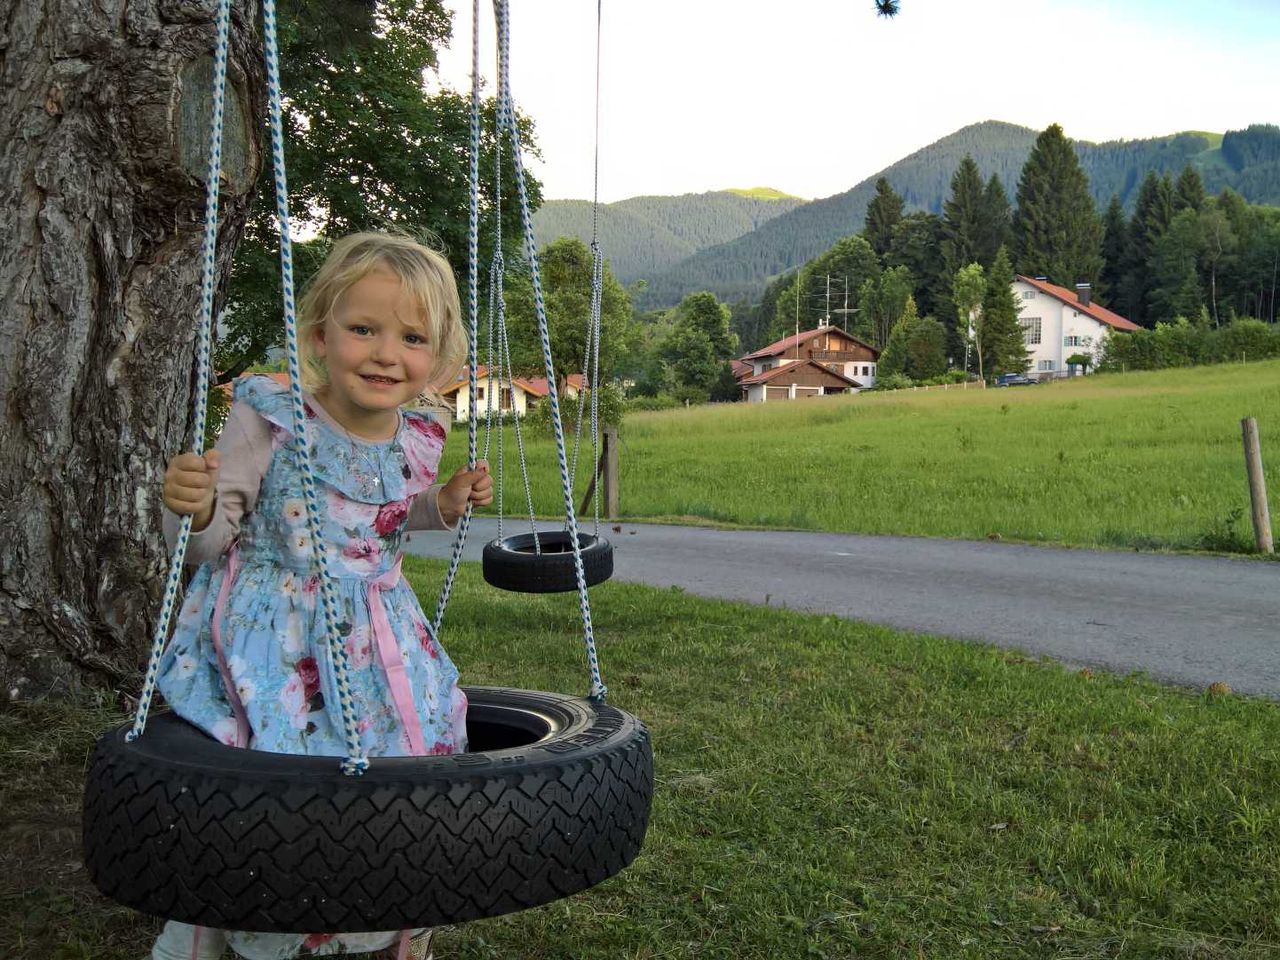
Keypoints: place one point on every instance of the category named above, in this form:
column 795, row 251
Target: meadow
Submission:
column 1146, row 460
column 824, row 789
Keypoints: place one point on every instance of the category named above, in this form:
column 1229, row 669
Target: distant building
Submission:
column 1058, row 323
column 814, row 363
column 527, row 391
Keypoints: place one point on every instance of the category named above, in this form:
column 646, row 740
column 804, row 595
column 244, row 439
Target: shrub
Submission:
column 611, row 411
column 1182, row 344
column 894, row 381
column 663, row 401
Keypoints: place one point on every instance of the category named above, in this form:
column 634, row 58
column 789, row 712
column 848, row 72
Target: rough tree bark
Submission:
column 104, row 108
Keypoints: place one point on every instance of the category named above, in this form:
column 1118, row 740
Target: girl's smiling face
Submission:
column 375, row 348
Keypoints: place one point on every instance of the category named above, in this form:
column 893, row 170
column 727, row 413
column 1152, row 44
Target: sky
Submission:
column 813, row 96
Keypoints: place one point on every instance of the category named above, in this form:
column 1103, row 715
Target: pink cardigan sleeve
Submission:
column 425, row 512
column 245, row 445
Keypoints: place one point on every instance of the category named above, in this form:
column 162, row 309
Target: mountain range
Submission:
column 734, row 242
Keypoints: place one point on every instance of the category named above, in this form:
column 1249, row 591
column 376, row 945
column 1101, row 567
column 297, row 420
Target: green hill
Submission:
column 642, row 236
column 1245, row 160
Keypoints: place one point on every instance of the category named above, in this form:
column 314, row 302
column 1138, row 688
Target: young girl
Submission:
column 249, row 659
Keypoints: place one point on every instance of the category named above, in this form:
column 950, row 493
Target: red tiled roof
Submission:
column 777, row 372
column 740, row 369
column 1093, row 310
column 539, row 384
column 796, row 339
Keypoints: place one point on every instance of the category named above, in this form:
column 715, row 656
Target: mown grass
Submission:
column 1149, row 460
column 825, row 789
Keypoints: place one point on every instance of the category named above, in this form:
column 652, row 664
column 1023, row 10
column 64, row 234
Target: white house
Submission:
column 526, row 391
column 1058, row 323
column 810, row 364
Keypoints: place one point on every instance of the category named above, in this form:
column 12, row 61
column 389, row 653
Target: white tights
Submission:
column 182, row 941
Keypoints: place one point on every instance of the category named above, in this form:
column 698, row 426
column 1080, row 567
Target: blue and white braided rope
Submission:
column 507, row 119
column 356, row 762
column 204, row 338
column 473, row 301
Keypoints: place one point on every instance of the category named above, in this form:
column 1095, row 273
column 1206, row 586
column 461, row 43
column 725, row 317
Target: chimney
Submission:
column 1084, row 291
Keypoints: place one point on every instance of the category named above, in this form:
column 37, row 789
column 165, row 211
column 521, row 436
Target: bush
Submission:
column 1182, row 344
column 894, row 381
column 663, row 401
column 611, row 411
column 1248, row 340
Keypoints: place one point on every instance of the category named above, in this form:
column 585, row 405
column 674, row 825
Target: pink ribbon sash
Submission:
column 392, row 662
column 215, row 629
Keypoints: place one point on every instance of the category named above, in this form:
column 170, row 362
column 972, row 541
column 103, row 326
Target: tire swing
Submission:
column 546, row 561
column 552, row 798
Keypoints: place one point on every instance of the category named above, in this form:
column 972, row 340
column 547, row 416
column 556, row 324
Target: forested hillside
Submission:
column 1248, row 161
column 642, row 236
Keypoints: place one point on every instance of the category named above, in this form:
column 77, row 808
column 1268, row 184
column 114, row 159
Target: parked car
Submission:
column 1015, row 380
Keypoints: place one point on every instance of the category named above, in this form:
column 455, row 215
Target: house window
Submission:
column 1071, row 341
column 1046, row 366
column 1030, row 330
column 1028, row 294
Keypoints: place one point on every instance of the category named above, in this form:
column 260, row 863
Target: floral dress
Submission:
column 261, row 600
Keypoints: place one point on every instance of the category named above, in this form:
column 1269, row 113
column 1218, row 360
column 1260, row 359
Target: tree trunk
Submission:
column 104, row 120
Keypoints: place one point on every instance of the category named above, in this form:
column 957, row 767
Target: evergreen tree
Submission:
column 916, row 246
column 916, row 347
column 1188, row 194
column 1175, row 282
column 883, row 213
column 1151, row 217
column 1056, row 229
column 962, row 217
column 1115, row 251
column 1002, row 345
column 882, row 301
column 993, row 222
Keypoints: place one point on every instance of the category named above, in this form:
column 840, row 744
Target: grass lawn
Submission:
column 1149, row 460
column 825, row 789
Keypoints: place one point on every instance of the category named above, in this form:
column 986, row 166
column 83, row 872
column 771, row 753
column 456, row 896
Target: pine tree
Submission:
column 1151, row 218
column 893, row 358
column 1189, row 192
column 1002, row 345
column 1056, row 229
column 916, row 347
column 916, row 246
column 1175, row 281
column 1115, row 252
column 993, row 222
column 883, row 213
column 962, row 217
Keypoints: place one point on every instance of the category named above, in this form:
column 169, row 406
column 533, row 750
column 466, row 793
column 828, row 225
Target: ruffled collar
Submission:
column 369, row 471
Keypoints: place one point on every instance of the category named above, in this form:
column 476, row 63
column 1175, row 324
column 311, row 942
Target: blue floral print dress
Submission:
column 271, row 623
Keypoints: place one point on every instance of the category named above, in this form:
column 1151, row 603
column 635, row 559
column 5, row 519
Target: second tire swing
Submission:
column 546, row 561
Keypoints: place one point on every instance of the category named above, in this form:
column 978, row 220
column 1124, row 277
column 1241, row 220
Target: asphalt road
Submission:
column 1184, row 619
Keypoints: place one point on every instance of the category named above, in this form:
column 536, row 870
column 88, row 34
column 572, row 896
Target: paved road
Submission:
column 1189, row 620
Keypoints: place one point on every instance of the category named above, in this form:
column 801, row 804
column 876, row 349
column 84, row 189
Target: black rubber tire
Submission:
column 553, row 799
column 511, row 563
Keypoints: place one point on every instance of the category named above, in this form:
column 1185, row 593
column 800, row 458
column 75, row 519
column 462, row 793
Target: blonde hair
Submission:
column 427, row 278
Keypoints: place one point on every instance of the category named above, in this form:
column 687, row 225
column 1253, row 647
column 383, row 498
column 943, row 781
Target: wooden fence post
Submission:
column 610, row 453
column 606, row 472
column 1257, row 486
